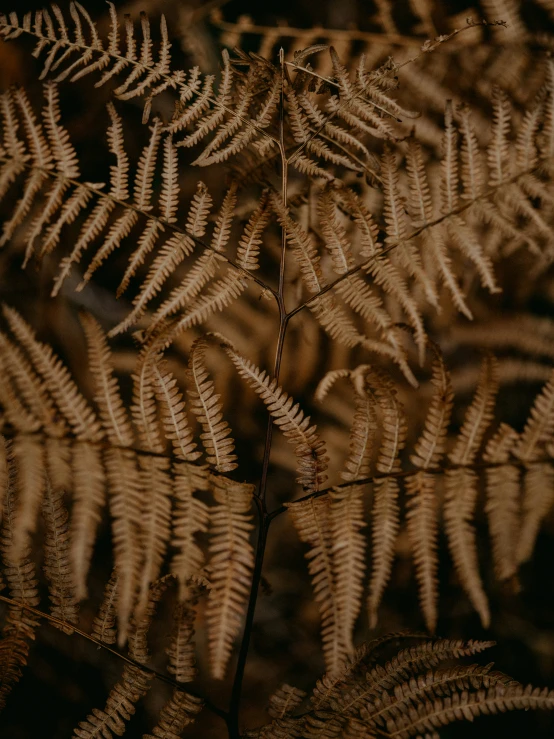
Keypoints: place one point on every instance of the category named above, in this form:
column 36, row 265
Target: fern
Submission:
column 369, row 200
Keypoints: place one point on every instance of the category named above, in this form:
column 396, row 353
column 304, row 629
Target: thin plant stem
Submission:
column 263, row 519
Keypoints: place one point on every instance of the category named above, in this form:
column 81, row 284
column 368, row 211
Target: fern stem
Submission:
column 263, row 519
column 475, row 466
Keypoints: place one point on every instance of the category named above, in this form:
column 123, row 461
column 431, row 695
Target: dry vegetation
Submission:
column 292, row 297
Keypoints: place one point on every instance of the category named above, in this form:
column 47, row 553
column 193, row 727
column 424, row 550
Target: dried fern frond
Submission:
column 72, row 53
column 205, row 405
column 190, row 516
column 403, row 697
column 309, row 449
column 385, row 512
column 179, row 712
column 230, row 567
column 461, row 489
column 57, row 565
column 311, row 519
column 134, row 682
column 63, row 390
column 20, row 624
column 420, row 487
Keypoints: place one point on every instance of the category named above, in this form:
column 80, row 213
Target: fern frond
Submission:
column 379, row 267
column 498, row 155
column 103, row 625
column 461, row 489
column 190, row 517
column 75, row 54
column 120, row 706
column 57, row 565
column 362, row 431
column 174, row 417
column 60, row 145
column 430, row 445
column 203, row 269
column 336, row 239
column 472, row 169
column 112, row 412
column 181, row 649
column 249, row 243
column 538, row 496
column 230, row 564
column 125, row 496
column 385, row 514
column 346, row 520
column 169, row 256
column 539, row 428
column 20, row 624
column 442, row 711
column 421, row 517
column 144, row 409
column 301, row 242
column 309, row 449
column 176, row 714
column 89, row 497
column 155, row 523
column 206, row 407
column 219, row 295
column 30, row 484
column 502, row 506
column 311, row 521
column 169, row 196
column 421, row 514
column 134, row 682
column 214, row 152
column 70, row 402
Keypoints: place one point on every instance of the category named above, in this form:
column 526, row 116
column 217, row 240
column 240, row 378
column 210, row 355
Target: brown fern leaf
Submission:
column 346, row 520
column 30, row 466
column 181, row 649
column 86, row 52
column 205, row 405
column 24, row 392
column 461, row 489
column 539, row 478
column 220, row 294
column 57, row 565
column 230, row 567
column 303, row 247
column 103, row 625
column 311, row 520
column 281, row 704
column 20, row 625
column 310, row 450
column 203, row 269
column 134, row 682
column 70, row 402
column 431, row 715
column 385, row 522
column 154, row 477
column 241, row 129
column 382, row 270
column 420, row 487
column 502, row 506
column 176, row 714
column 169, row 256
column 125, row 497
